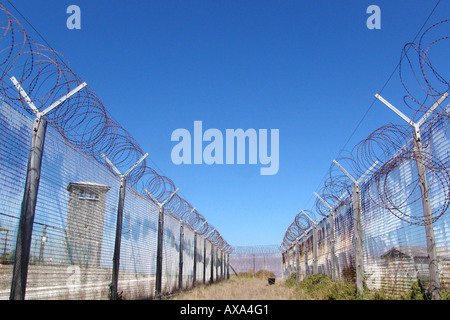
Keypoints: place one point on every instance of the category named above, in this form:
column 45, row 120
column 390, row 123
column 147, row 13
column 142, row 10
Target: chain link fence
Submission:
column 381, row 219
column 82, row 214
column 74, row 228
column 251, row 259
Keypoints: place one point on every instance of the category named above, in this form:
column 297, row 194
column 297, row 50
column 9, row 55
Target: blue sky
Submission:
column 307, row 68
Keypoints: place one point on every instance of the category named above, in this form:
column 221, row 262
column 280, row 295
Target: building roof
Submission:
column 415, row 251
column 88, row 185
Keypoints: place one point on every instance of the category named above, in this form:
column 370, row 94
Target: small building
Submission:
column 85, row 220
column 406, row 264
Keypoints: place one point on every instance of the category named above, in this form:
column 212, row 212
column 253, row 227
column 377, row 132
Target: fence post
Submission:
column 217, row 264
column 288, row 263
column 253, row 257
column 298, row 261
column 357, row 227
column 28, row 209
column 314, row 241
column 204, row 260
column 116, row 256
column 194, row 274
column 435, row 283
column 332, row 243
column 23, row 244
column 222, row 266
column 285, row 264
column 332, row 253
column 225, row 265
column 159, row 252
column 228, row 266
column 315, row 259
column 118, row 239
column 180, row 267
column 159, row 249
column 211, row 277
column 305, row 248
column 359, row 258
column 332, row 235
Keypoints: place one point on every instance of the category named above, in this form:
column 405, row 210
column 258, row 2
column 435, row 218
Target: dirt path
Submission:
column 239, row 289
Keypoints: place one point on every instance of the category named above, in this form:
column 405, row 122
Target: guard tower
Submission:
column 85, row 219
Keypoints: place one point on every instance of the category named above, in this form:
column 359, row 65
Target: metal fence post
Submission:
column 332, row 235
column 159, row 252
column 288, row 263
column 23, row 244
column 180, row 267
column 254, row 266
column 28, row 209
column 211, row 277
column 204, row 260
column 194, row 275
column 298, row 261
column 314, row 237
column 221, row 264
column 225, row 265
column 332, row 243
column 314, row 241
column 357, row 227
column 305, row 248
column 116, row 256
column 159, row 249
column 217, row 264
column 359, row 258
column 435, row 283
column 228, row 266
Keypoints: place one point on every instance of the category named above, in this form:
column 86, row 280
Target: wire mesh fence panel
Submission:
column 208, row 262
column 200, row 260
column 395, row 230
column 302, row 261
column 72, row 242
column 188, row 258
column 14, row 148
column 70, row 233
column 439, row 147
column 69, row 204
column 289, row 261
column 344, row 242
column 76, row 207
column 171, row 247
column 219, row 265
column 386, row 241
column 323, row 248
column 395, row 240
column 60, row 239
column 138, row 247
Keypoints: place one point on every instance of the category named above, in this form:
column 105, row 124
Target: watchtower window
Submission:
column 88, row 195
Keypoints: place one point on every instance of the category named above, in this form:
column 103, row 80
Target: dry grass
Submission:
column 240, row 289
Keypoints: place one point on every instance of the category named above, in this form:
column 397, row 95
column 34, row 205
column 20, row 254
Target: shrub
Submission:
column 264, row 274
column 261, row 274
column 322, row 287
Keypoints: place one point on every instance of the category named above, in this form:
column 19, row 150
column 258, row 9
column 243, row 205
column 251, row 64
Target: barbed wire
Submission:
column 302, row 222
column 257, row 250
column 82, row 120
column 393, row 146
